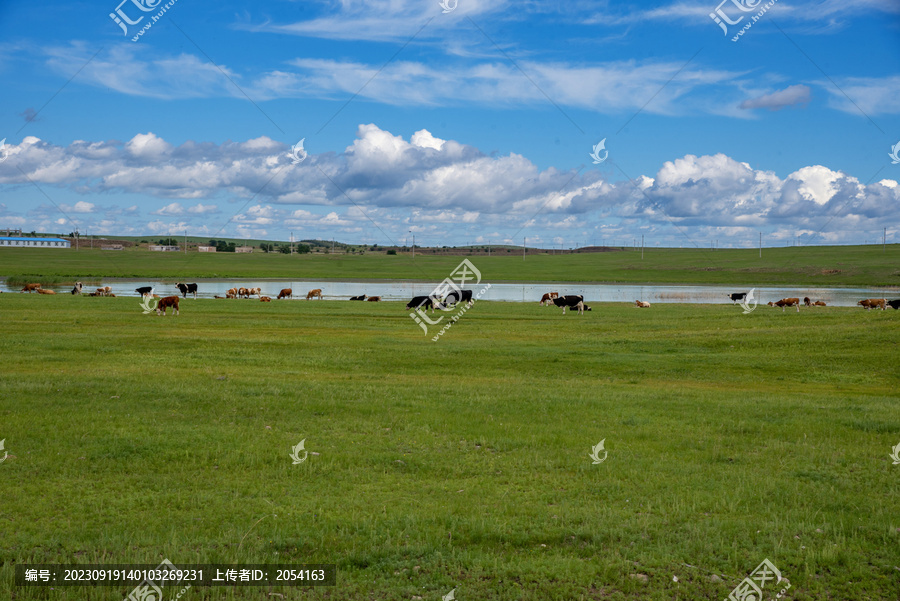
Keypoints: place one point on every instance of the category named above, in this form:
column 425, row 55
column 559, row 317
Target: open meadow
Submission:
column 462, row 463
column 791, row 266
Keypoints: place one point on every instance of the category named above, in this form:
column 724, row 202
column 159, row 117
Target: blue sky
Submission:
column 470, row 125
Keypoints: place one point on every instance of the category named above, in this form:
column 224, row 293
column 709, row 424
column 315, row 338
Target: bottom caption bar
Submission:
column 167, row 574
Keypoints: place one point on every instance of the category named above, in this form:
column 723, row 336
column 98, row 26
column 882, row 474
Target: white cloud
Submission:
column 170, row 209
column 796, row 94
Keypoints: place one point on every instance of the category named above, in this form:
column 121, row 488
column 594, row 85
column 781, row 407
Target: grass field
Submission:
column 807, row 266
column 463, row 463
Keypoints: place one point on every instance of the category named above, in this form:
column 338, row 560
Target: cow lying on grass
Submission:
column 373, row 299
column 265, row 299
column 43, row 291
column 361, row 297
column 164, row 303
column 786, row 302
column 642, row 304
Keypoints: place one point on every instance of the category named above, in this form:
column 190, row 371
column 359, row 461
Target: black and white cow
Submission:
column 421, row 302
column 185, row 288
column 361, row 297
column 77, row 288
column 458, row 296
column 571, row 301
column 144, row 290
column 737, row 296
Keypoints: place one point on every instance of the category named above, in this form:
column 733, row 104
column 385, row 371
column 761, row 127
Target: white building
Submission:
column 21, row 242
column 206, row 249
column 158, row 248
column 244, row 249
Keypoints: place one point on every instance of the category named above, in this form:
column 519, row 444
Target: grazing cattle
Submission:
column 375, row 299
column 873, row 303
column 44, row 291
column 256, row 291
column 31, row 287
column 285, row 293
column 819, row 304
column 185, row 288
column 265, row 299
column 548, row 297
column 786, row 302
column 164, row 303
column 421, row 302
column 642, row 304
column 571, row 301
column 737, row 296
column 243, row 292
column 459, row 296
column 104, row 291
column 231, row 293
column 315, row 293
column 144, row 290
column 361, row 297
column 217, row 296
column 77, row 288
column 894, row 304
column 807, row 301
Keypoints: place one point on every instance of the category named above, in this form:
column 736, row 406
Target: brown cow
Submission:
column 31, row 287
column 168, row 301
column 232, row 292
column 285, row 293
column 548, row 297
column 104, row 291
column 243, row 292
column 316, row 292
column 373, row 299
column 256, row 291
column 872, row 303
column 43, row 291
column 819, row 304
column 806, row 301
column 786, row 302
column 265, row 299
column 642, row 304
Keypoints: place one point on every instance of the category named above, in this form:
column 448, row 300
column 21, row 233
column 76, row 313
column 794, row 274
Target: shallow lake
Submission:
column 603, row 293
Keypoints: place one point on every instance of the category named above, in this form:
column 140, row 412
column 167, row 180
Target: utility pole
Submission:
column 76, row 238
column 332, row 246
column 523, row 247
column 185, row 241
column 414, row 247
column 760, row 245
column 642, row 247
column 884, row 241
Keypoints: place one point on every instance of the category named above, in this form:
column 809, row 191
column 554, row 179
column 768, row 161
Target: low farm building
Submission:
column 158, row 248
column 23, row 242
column 244, row 249
column 206, row 249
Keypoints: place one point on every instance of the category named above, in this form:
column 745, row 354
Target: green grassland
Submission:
column 808, row 266
column 462, row 463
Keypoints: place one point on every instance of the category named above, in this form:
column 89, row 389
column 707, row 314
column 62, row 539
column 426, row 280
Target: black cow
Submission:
column 737, row 296
column 894, row 304
column 570, row 301
column 361, row 297
column 185, row 288
column 144, row 290
column 458, row 296
column 421, row 302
